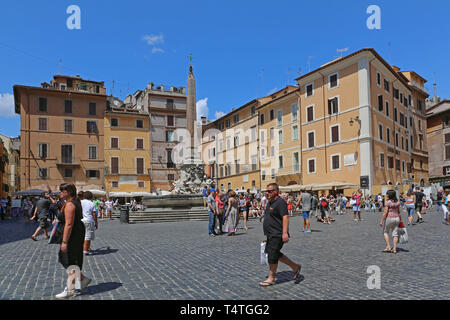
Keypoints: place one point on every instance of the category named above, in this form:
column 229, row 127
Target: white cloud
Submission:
column 219, row 114
column 272, row 91
column 157, row 50
column 202, row 109
column 7, row 105
column 153, row 39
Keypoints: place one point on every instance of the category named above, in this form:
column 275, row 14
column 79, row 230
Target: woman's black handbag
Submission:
column 57, row 233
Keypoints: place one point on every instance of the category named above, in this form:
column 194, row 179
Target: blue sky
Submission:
column 241, row 49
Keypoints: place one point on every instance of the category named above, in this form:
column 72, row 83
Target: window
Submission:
column 401, row 97
column 42, row 104
column 390, row 162
column 310, row 113
column 272, row 115
column 114, row 122
column 333, row 106
column 238, row 167
column 263, row 153
column 403, row 166
column 236, row 141
column 272, row 130
column 114, row 143
column 381, row 160
column 272, row 151
column 378, row 79
column 67, row 153
column 170, row 121
column 280, row 137
column 140, row 165
column 140, row 144
column 97, row 89
column 253, row 134
column 92, row 127
column 403, row 143
column 395, row 93
column 397, row 164
column 253, row 110
column 68, row 173
column 261, row 121
column 380, row 131
column 141, row 184
column 386, row 85
column 114, row 165
column 333, row 81
column 43, row 150
column 263, row 175
column 280, row 162
column 335, row 162
column 380, row 103
column 334, row 134
column 236, row 118
column 43, row 173
column 68, row 125
column 254, row 165
column 309, row 90
column 294, row 112
column 273, row 174
column 228, row 143
column 69, row 83
column 169, row 136
column 43, row 124
column 395, row 114
column 387, row 109
column 63, row 87
column 311, row 139
column 396, row 139
column 279, row 117
column 420, row 125
column 419, row 104
column 295, row 133
column 221, row 126
column 92, row 109
column 68, row 106
column 229, row 185
column 296, row 162
column 92, row 152
column 139, row 123
column 402, row 119
column 407, row 144
column 311, row 166
column 262, row 136
column 170, row 104
column 228, row 123
column 388, row 135
column 115, row 184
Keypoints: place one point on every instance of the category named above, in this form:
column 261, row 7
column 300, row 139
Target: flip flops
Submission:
column 266, row 283
column 297, row 273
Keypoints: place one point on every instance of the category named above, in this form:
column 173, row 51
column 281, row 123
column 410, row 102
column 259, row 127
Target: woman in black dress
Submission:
column 71, row 252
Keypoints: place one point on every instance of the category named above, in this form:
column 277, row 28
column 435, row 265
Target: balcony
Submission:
column 68, row 161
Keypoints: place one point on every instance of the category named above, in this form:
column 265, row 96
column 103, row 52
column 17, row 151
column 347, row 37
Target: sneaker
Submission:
column 355, row 220
column 65, row 294
column 86, row 253
column 212, row 235
column 308, row 231
column 302, row 230
column 85, row 282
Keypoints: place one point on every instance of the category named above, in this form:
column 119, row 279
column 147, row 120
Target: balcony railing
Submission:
column 68, row 161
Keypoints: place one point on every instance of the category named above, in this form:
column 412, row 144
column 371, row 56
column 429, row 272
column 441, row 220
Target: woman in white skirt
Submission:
column 393, row 218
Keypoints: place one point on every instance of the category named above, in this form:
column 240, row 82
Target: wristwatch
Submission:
column 64, row 242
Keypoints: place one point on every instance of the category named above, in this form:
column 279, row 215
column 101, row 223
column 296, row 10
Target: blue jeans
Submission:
column 211, row 222
column 438, row 205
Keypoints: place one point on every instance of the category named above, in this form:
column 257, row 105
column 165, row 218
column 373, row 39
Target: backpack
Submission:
column 324, row 203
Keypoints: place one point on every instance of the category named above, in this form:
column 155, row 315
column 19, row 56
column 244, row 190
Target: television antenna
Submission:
column 341, row 51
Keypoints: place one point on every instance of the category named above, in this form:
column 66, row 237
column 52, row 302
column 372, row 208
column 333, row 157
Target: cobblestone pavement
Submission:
column 180, row 261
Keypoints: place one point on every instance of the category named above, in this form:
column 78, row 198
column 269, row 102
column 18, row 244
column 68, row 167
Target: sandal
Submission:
column 297, row 273
column 387, row 250
column 33, row 238
column 266, row 283
column 394, row 251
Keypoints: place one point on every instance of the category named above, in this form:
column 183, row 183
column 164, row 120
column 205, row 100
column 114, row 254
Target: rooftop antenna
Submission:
column 289, row 75
column 341, row 52
column 112, row 88
column 309, row 63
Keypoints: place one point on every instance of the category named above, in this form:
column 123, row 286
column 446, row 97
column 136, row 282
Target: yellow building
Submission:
column 127, row 151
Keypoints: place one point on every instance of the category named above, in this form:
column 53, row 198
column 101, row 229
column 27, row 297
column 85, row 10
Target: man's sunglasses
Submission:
column 270, row 191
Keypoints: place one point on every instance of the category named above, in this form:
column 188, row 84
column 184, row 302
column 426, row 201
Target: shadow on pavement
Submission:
column 101, row 288
column 287, row 276
column 103, row 251
column 20, row 229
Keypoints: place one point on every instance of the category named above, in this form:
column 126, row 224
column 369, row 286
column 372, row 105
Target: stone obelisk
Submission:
column 191, row 113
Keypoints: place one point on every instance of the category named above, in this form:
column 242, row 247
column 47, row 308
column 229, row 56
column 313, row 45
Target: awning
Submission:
column 97, row 192
column 30, row 193
column 120, row 194
column 141, row 194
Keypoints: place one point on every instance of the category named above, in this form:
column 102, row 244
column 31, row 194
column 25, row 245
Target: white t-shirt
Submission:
column 88, row 207
column 109, row 205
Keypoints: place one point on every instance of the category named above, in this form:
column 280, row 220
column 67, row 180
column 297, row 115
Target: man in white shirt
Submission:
column 263, row 205
column 109, row 208
column 89, row 219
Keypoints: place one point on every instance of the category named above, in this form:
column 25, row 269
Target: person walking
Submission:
column 97, row 208
column 264, row 202
column 323, row 204
column 242, row 210
column 108, row 204
column 410, row 206
column 27, row 206
column 276, row 229
column 219, row 216
column 89, row 220
column 392, row 219
column 357, row 205
column 231, row 214
column 42, row 212
column 439, row 197
column 71, row 250
column 305, row 200
column 205, row 196
column 418, row 205
column 212, row 210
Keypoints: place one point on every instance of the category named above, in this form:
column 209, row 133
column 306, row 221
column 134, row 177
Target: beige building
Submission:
column 61, row 133
column 12, row 146
column 352, row 117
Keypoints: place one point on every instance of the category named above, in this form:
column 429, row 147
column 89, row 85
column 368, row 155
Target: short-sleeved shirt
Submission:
column 393, row 209
column 205, row 193
column 43, row 207
column 88, row 207
column 96, row 203
column 109, row 205
column 419, row 197
column 306, row 201
column 273, row 218
column 212, row 201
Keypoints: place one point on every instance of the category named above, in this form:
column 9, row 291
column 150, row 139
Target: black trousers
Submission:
column 218, row 223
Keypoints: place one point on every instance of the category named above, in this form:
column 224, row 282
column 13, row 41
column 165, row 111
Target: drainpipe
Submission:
column 300, row 133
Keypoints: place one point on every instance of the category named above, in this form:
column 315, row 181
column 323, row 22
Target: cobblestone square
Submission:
column 180, row 261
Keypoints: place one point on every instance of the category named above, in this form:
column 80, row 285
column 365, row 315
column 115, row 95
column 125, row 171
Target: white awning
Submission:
column 120, row 194
column 97, row 192
column 141, row 194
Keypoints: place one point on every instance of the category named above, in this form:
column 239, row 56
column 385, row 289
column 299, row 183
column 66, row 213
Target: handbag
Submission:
column 264, row 255
column 57, row 233
column 403, row 234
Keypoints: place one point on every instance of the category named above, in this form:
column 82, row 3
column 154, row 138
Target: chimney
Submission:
column 203, row 121
column 172, row 89
column 162, row 88
column 397, row 69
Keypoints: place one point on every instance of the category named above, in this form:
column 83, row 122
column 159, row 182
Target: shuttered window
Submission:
column 310, row 112
column 310, row 139
column 114, row 165
column 140, row 165
column 114, row 143
column 335, row 134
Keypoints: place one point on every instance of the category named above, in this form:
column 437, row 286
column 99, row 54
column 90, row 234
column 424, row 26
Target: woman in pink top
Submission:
column 393, row 218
